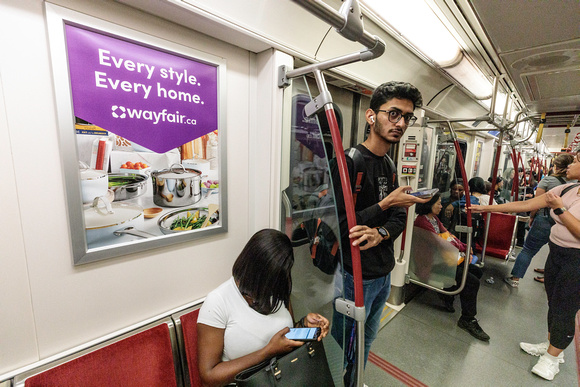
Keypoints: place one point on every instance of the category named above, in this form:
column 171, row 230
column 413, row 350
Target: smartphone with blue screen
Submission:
column 303, row 334
column 424, row 193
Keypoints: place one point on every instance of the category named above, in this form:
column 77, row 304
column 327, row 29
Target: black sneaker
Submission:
column 448, row 302
column 473, row 328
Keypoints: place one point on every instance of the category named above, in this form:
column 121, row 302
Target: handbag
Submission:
column 305, row 366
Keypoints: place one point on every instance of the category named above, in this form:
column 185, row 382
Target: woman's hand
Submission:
column 315, row 320
column 400, row 198
column 280, row 344
column 553, row 201
column 364, row 233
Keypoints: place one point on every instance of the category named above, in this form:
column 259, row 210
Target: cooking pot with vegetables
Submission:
column 127, row 185
column 176, row 186
column 93, row 183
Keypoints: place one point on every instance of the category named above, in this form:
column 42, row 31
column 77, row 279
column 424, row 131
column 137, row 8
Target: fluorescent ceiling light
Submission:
column 472, row 79
column 416, row 22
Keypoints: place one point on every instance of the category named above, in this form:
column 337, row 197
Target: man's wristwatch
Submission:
column 560, row 211
column 383, row 232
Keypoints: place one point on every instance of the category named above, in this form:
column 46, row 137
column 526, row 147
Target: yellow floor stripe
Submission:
column 387, row 315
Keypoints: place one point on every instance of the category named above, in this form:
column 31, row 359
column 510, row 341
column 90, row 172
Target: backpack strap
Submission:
column 565, row 190
column 561, row 179
column 359, row 168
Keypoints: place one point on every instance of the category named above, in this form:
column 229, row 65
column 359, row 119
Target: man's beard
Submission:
column 378, row 128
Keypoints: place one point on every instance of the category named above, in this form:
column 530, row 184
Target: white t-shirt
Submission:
column 246, row 330
column 559, row 233
column 484, row 200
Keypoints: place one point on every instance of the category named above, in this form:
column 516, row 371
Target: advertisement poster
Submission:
column 146, row 116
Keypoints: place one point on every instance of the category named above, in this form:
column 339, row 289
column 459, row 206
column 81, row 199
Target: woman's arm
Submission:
column 521, row 206
column 539, row 192
column 210, row 345
column 571, row 223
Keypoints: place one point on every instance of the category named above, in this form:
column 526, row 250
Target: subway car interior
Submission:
column 171, row 131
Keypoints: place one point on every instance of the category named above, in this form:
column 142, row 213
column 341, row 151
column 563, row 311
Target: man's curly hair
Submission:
column 395, row 89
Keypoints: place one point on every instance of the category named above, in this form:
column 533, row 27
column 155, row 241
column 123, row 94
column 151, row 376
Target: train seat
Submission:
column 186, row 326
column 500, row 236
column 143, row 357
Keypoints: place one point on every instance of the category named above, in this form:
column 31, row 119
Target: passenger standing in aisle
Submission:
column 562, row 271
column 540, row 221
column 380, row 213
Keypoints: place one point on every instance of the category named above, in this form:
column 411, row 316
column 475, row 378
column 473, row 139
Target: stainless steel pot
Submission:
column 176, row 187
column 127, row 185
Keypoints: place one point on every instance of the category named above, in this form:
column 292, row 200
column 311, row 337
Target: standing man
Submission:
column 380, row 213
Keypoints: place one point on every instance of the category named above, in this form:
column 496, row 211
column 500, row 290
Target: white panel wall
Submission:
column 49, row 305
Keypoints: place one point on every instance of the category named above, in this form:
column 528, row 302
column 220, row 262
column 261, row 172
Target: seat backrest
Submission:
column 186, row 325
column 142, row 359
column 500, row 234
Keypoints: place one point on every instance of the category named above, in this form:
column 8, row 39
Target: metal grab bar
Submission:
column 468, row 230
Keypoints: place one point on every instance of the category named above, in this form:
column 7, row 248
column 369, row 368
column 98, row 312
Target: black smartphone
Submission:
column 303, row 334
column 424, row 193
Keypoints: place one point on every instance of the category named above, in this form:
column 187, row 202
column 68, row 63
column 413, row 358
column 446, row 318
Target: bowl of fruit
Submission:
column 138, row 167
column 209, row 187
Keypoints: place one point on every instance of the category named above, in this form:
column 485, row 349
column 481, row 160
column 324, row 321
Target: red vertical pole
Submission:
column 348, row 202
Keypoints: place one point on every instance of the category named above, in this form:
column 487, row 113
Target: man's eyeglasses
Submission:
column 395, row 116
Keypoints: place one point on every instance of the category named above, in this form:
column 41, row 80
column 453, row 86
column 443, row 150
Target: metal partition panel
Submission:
column 311, row 213
column 433, row 259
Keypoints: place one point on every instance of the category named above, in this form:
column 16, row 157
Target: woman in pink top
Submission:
column 562, row 271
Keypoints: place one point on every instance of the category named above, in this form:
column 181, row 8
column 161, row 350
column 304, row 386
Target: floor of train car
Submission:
column 423, row 340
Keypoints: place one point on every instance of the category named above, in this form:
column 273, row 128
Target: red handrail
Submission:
column 348, row 202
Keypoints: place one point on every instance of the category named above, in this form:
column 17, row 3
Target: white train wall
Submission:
column 48, row 304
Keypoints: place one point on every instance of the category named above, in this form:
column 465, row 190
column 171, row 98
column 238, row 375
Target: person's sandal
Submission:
column 539, row 279
column 539, row 270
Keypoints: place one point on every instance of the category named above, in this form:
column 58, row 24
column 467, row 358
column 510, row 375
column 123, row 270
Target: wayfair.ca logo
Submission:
column 149, row 115
column 116, row 109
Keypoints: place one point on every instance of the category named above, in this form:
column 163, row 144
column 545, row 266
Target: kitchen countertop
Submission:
column 150, row 225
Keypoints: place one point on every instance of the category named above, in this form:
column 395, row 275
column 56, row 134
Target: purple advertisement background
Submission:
column 153, row 98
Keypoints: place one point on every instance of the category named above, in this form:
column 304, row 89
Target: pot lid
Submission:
column 177, row 171
column 92, row 174
column 98, row 216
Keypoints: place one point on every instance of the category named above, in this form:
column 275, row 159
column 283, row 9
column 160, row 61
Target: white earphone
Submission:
column 372, row 119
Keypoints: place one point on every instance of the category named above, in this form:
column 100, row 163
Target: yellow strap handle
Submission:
column 566, row 138
column 541, row 128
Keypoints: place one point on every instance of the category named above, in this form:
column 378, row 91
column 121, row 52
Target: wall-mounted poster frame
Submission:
column 134, row 106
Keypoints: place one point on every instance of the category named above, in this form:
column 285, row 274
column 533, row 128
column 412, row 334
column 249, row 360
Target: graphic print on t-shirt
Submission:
column 383, row 185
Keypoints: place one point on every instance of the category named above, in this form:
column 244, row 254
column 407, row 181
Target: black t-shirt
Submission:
column 379, row 181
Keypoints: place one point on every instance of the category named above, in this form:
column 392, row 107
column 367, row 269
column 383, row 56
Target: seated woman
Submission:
column 428, row 220
column 244, row 321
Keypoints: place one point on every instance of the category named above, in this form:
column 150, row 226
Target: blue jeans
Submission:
column 537, row 237
column 376, row 291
